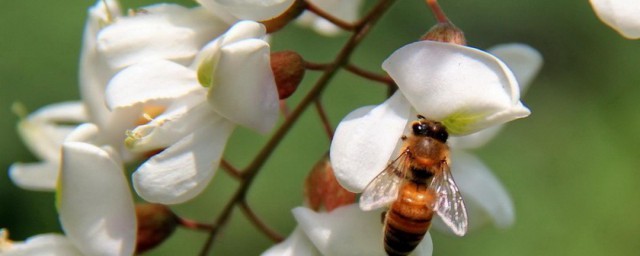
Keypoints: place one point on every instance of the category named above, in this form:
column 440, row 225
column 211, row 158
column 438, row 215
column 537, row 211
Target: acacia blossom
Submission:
column 229, row 83
column 111, row 42
column 346, row 230
column 621, row 15
column 94, row 203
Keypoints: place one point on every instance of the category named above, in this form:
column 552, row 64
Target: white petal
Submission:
column 348, row 231
column 178, row 121
column 149, row 81
column 297, row 244
column 465, row 88
column 162, row 31
column 43, row 131
column 523, row 60
column 35, row 176
column 255, row 9
column 621, row 15
column 365, row 140
column 486, row 198
column 43, row 245
column 345, row 231
column 95, row 204
column 183, row 170
column 244, row 89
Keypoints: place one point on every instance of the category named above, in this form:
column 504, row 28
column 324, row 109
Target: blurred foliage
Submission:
column 572, row 167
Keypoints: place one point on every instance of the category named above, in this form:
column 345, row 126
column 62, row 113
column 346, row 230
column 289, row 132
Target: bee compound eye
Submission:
column 420, row 129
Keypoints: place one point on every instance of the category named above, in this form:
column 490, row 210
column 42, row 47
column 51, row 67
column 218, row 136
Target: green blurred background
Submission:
column 571, row 167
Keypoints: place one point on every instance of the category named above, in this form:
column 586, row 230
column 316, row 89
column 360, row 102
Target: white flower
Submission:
column 94, row 202
column 111, row 43
column 257, row 10
column 43, row 131
column 240, row 89
column 347, row 230
column 466, row 89
column 43, row 244
column 621, row 15
column 346, row 10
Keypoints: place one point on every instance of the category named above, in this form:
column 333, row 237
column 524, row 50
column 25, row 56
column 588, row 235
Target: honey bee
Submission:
column 416, row 184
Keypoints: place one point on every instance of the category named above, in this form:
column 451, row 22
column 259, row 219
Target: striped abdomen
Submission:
column 408, row 218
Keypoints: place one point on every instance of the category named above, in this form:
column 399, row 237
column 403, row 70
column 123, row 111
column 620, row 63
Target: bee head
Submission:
column 428, row 128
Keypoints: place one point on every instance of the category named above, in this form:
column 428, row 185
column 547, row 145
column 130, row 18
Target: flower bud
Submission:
column 445, row 32
column 156, row 222
column 288, row 71
column 285, row 18
column 321, row 189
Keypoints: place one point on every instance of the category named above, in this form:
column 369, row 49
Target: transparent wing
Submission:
column 449, row 205
column 383, row 189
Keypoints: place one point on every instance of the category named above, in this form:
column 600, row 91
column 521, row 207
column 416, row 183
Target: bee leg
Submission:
column 404, row 137
column 383, row 215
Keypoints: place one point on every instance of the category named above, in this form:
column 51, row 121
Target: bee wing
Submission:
column 449, row 205
column 383, row 189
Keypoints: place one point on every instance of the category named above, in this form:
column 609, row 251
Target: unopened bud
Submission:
column 286, row 17
column 288, row 70
column 321, row 189
column 156, row 223
column 445, row 32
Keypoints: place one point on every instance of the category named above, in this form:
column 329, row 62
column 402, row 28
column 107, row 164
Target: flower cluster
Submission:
column 166, row 86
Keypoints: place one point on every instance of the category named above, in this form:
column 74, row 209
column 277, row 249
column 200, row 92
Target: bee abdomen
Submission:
column 405, row 226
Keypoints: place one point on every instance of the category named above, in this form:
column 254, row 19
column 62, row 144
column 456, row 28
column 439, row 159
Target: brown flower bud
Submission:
column 285, row 18
column 156, row 223
column 445, row 32
column 288, row 71
column 322, row 190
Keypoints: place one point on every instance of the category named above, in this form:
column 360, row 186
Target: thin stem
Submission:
column 369, row 75
column 192, row 224
column 284, row 109
column 323, row 117
column 316, row 66
column 437, row 11
column 360, row 31
column 272, row 234
column 230, row 169
column 327, row 16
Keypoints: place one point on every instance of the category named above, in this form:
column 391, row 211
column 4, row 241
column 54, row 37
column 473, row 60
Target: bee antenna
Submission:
column 421, row 117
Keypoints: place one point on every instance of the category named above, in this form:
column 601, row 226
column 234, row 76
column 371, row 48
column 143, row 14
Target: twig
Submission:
column 369, row 75
column 324, row 118
column 272, row 234
column 327, row 16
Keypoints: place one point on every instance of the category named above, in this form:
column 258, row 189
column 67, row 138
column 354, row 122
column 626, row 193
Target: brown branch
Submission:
column 324, row 118
column 269, row 232
column 316, row 66
column 360, row 31
column 192, row 224
column 230, row 169
column 441, row 17
column 369, row 75
column 327, row 16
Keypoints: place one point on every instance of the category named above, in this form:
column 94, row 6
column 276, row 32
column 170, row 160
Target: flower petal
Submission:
column 35, row 176
column 365, row 140
column 244, row 89
column 95, row 204
column 162, row 31
column 43, row 245
column 465, row 88
column 348, row 230
column 297, row 244
column 179, row 120
column 485, row 197
column 149, row 81
column 257, row 10
column 183, row 170
column 523, row 60
column 621, row 15
column 43, row 132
